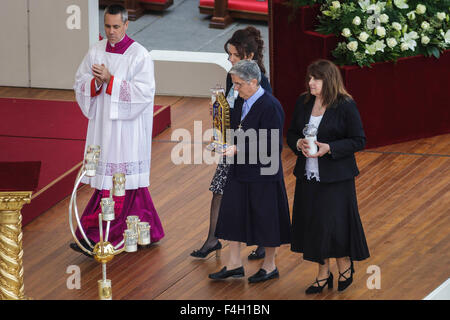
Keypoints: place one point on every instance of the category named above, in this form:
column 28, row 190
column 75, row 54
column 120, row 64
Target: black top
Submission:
column 266, row 113
column 341, row 128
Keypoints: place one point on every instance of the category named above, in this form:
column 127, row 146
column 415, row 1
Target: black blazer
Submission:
column 341, row 128
column 265, row 113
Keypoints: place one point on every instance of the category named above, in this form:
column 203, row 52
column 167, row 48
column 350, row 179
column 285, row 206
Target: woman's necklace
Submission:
column 242, row 120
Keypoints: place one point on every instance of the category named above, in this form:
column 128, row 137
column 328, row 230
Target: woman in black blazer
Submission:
column 325, row 218
column 245, row 44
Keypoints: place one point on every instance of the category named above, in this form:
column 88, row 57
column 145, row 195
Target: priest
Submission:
column 115, row 88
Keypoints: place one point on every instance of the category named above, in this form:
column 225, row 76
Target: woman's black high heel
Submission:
column 342, row 285
column 204, row 254
column 319, row 288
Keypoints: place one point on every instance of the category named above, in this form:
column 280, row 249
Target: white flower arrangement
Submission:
column 374, row 30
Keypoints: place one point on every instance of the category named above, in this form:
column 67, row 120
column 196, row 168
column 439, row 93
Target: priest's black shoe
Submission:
column 76, row 248
column 257, row 254
column 224, row 273
column 262, row 275
column 204, row 254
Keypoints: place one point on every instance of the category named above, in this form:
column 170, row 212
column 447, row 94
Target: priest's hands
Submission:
column 101, row 74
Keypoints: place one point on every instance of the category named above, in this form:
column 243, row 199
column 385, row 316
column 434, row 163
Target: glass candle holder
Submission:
column 131, row 240
column 107, row 209
column 144, row 233
column 91, row 159
column 132, row 223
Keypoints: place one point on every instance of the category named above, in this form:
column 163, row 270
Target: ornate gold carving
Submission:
column 11, row 252
column 221, row 121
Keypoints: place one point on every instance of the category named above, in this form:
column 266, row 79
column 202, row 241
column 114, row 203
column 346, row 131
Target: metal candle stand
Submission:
column 137, row 233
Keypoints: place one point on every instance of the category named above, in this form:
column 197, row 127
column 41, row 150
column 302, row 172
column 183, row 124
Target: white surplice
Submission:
column 120, row 123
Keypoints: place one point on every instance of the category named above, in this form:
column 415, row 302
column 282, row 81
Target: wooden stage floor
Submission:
column 404, row 199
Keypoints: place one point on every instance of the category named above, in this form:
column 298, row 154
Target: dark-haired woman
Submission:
column 245, row 44
column 325, row 219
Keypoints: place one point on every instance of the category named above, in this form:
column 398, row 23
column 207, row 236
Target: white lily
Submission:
column 404, row 46
column 379, row 45
column 371, row 49
column 401, row 4
column 447, row 36
column 409, row 40
column 376, row 8
column 365, row 4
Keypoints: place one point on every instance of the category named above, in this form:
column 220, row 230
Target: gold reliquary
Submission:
column 221, row 119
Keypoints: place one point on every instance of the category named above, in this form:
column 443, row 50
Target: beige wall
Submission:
column 14, row 43
column 184, row 73
column 58, row 34
column 55, row 50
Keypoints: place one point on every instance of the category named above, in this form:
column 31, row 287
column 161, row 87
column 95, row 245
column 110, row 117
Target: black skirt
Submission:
column 326, row 222
column 255, row 213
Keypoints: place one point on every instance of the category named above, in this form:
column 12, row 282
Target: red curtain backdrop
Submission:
column 398, row 102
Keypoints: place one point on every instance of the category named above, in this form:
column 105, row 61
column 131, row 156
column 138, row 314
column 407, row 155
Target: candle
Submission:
column 130, row 241
column 144, row 233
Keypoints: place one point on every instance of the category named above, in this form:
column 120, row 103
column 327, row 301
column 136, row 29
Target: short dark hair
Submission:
column 117, row 9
